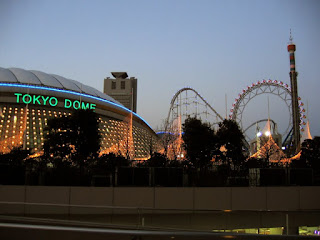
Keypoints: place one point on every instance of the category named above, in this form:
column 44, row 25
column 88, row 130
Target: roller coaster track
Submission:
column 173, row 105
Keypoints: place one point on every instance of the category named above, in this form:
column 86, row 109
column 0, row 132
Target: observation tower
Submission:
column 294, row 91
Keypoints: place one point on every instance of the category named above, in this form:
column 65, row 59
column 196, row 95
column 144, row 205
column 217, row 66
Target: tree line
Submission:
column 204, row 145
column 71, row 155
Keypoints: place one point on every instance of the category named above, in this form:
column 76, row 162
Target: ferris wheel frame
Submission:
column 275, row 87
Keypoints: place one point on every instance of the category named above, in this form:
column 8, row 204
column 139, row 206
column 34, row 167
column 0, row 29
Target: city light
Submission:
column 73, row 93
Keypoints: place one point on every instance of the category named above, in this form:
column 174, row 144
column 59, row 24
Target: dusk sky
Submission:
column 216, row 47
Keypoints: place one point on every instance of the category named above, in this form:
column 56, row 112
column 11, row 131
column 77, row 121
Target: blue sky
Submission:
column 215, row 47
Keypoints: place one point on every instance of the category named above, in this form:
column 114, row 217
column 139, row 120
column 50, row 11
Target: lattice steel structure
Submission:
column 274, row 87
column 187, row 102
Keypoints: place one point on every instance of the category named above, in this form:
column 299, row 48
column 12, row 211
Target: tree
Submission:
column 157, row 160
column 108, row 165
column 73, row 139
column 58, row 145
column 85, row 127
column 199, row 141
column 310, row 153
column 231, row 139
column 16, row 157
column 109, row 162
column 13, row 165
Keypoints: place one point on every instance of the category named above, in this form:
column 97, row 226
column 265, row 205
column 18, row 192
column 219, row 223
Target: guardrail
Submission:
column 35, row 232
column 284, row 222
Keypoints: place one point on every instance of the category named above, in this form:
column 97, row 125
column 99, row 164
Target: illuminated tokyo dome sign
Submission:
column 52, row 101
column 21, row 98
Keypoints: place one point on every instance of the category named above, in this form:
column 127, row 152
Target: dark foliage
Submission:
column 157, row 160
column 231, row 137
column 15, row 157
column 256, row 163
column 72, row 140
column 72, row 146
column 199, row 140
column 86, row 131
column 12, row 166
column 311, row 153
column 58, row 142
column 109, row 162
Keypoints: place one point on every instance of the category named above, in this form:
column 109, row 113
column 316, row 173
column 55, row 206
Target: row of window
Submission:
column 122, row 85
column 26, row 126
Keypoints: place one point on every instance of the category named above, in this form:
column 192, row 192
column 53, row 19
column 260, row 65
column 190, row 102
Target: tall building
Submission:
column 122, row 89
column 294, row 91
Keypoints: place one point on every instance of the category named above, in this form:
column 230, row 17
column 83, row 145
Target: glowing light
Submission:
column 74, row 93
column 259, row 134
column 267, row 133
column 229, row 236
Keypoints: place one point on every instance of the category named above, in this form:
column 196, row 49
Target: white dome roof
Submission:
column 31, row 77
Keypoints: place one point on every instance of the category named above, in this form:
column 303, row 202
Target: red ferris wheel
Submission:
column 274, row 87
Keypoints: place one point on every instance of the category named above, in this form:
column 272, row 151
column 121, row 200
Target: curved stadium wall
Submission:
column 29, row 98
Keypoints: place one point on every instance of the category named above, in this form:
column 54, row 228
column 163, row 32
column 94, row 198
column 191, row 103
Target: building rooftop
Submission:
column 122, row 75
column 32, row 77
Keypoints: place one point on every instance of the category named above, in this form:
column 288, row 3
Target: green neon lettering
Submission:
column 24, row 98
column 74, row 104
column 36, row 99
column 67, row 103
column 18, row 96
column 53, row 104
column 84, row 105
column 92, row 106
column 45, row 99
column 52, row 101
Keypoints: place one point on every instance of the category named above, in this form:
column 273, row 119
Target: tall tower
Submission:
column 294, row 93
column 122, row 89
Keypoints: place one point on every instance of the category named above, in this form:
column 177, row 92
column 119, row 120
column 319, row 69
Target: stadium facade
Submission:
column 29, row 98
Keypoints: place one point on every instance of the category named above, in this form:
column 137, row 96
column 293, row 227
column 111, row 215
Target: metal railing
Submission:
column 219, row 222
column 28, row 231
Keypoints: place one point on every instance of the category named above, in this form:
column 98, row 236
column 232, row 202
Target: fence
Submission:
column 165, row 177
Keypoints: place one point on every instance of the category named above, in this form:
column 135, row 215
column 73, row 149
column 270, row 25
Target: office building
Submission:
column 122, row 89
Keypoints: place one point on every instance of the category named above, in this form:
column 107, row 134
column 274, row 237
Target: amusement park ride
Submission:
column 187, row 102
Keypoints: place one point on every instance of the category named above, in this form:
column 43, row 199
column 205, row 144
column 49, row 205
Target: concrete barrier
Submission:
column 181, row 208
column 220, row 198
